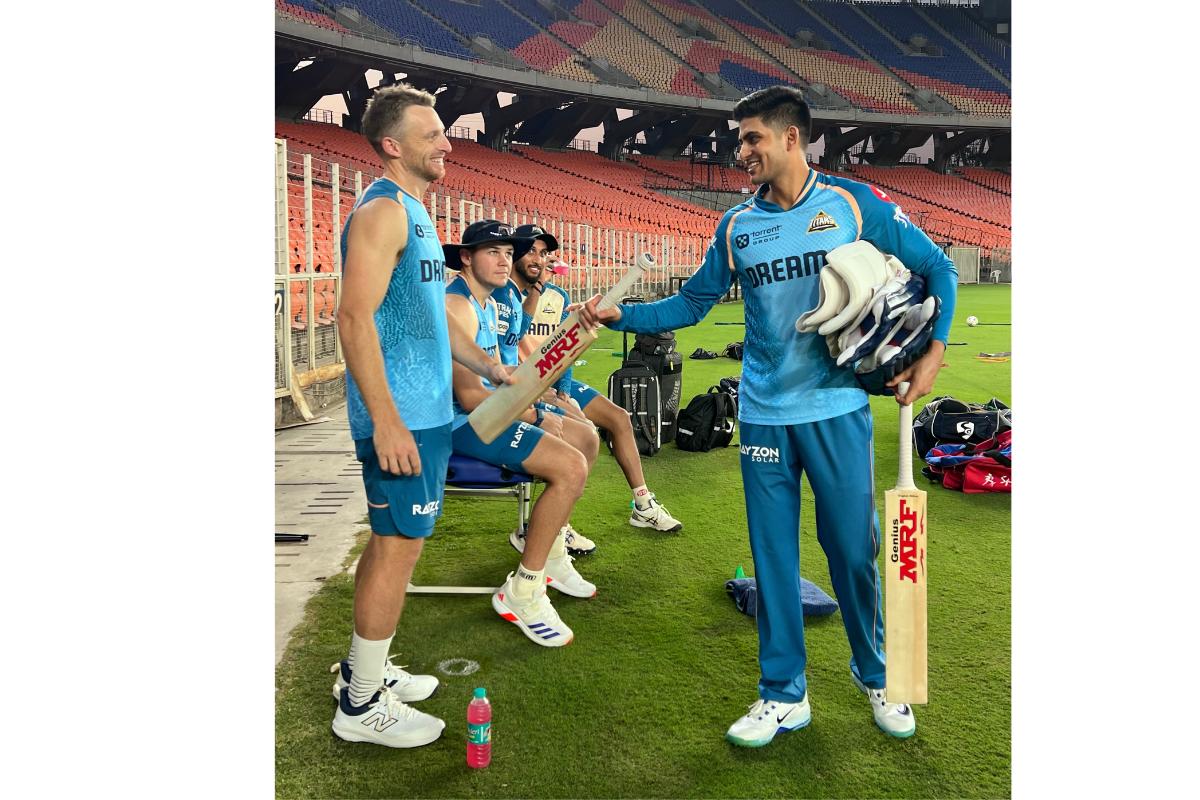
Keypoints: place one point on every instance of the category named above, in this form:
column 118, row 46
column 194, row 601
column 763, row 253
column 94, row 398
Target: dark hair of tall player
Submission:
column 775, row 124
column 551, row 310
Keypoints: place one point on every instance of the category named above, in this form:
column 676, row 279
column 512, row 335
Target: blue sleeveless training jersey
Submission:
column 411, row 322
column 511, row 321
column 486, row 334
column 788, row 377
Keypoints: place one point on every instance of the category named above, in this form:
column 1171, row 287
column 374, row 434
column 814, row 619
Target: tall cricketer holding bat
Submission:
column 802, row 416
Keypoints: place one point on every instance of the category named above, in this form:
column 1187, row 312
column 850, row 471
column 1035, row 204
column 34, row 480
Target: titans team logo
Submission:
column 741, row 240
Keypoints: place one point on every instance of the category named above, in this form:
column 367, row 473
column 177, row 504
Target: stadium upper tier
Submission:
column 863, row 52
column 583, row 187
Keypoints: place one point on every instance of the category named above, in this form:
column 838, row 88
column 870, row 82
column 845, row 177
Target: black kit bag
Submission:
column 634, row 387
column 709, row 421
column 657, row 351
column 730, row 387
column 947, row 420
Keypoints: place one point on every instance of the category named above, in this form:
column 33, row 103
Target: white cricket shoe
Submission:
column 536, row 618
column 562, row 575
column 384, row 720
column 655, row 517
column 517, row 540
column 407, row 687
column 577, row 543
column 767, row 718
column 894, row 719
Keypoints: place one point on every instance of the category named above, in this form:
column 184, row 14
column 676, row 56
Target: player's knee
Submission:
column 572, row 472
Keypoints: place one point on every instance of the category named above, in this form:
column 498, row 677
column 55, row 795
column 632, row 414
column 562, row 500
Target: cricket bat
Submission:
column 907, row 624
column 546, row 364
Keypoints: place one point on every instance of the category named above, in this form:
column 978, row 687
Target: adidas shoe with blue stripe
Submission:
column 536, row 618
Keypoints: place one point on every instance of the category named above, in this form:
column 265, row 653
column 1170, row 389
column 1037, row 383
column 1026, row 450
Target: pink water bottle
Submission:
column 479, row 730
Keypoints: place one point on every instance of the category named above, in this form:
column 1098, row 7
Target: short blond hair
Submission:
column 386, row 110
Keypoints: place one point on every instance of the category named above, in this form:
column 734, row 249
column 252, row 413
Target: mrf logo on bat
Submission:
column 558, row 349
column 904, row 542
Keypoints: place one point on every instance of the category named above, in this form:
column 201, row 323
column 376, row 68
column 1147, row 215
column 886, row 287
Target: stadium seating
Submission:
column 948, row 208
column 968, row 32
column 615, row 40
column 862, row 83
column 997, row 181
column 405, row 21
column 953, row 75
column 583, row 187
column 642, row 39
column 307, row 12
column 681, row 173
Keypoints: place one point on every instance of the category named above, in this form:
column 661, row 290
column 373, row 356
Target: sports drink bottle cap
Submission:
column 481, row 692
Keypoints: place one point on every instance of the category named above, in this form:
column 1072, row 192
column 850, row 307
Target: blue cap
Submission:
column 481, row 692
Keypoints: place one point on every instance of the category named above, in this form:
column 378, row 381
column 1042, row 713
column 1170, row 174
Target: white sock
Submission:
column 642, row 497
column 559, row 548
column 368, row 659
column 526, row 582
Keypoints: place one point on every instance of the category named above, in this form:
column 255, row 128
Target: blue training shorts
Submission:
column 509, row 450
column 407, row 505
column 581, row 393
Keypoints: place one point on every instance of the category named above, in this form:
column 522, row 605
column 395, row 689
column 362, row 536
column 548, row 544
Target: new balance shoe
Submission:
column 562, row 575
column 767, row 718
column 577, row 543
column 384, row 720
column 407, row 687
column 894, row 719
column 517, row 540
column 536, row 618
column 655, row 516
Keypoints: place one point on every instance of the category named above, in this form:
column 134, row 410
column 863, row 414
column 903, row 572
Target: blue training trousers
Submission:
column 837, row 456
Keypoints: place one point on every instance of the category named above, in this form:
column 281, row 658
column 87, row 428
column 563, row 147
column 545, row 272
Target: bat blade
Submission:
column 906, row 613
column 906, row 581
column 546, row 365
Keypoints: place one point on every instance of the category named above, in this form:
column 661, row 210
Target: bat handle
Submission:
column 622, row 287
column 904, row 480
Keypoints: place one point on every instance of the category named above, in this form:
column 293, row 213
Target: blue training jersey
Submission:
column 552, row 310
column 486, row 335
column 511, row 321
column 788, row 377
column 411, row 322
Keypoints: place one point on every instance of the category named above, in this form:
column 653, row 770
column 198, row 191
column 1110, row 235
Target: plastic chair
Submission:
column 470, row 477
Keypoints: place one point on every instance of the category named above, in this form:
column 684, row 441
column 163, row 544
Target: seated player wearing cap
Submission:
column 514, row 311
column 531, row 274
column 560, row 451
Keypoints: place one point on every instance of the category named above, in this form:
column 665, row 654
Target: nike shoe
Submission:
column 384, row 720
column 562, row 575
column 655, row 517
column 517, row 540
column 767, row 718
column 894, row 719
column 408, row 688
column 577, row 543
column 536, row 618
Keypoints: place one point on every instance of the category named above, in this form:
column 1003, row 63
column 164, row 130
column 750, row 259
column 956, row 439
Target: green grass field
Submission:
column 662, row 662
